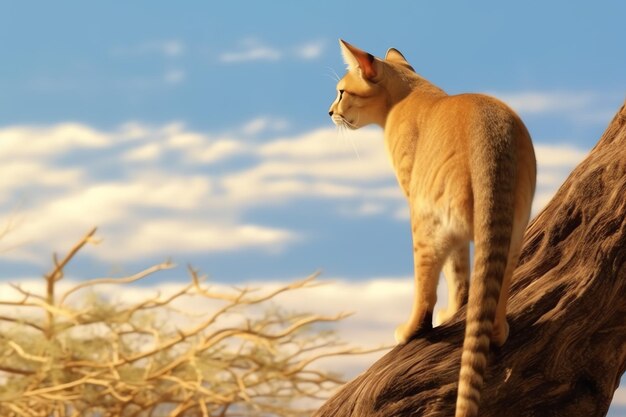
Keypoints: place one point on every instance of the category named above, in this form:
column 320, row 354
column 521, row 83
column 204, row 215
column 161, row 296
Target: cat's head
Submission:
column 365, row 93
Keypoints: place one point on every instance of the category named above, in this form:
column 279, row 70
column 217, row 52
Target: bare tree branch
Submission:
column 123, row 359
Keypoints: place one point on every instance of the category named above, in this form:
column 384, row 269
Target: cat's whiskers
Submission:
column 353, row 143
column 351, row 139
column 344, row 125
column 333, row 74
column 343, row 121
column 340, row 132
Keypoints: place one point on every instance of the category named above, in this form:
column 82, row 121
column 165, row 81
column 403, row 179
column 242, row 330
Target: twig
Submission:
column 122, row 280
column 12, row 370
column 59, row 266
column 22, row 321
column 18, row 349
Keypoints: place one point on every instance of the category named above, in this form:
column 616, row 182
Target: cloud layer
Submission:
column 576, row 106
column 158, row 189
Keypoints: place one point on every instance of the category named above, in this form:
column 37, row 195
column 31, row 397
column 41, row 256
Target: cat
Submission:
column 467, row 167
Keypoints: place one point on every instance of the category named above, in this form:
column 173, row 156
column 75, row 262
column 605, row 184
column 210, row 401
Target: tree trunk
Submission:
column 567, row 311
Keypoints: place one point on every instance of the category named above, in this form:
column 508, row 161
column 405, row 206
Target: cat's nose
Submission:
column 330, row 113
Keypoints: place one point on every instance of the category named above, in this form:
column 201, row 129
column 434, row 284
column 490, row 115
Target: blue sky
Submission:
column 199, row 130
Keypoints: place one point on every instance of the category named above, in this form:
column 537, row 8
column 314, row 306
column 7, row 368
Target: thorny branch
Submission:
column 92, row 356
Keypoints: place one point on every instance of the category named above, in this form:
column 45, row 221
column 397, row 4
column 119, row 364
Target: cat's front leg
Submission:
column 405, row 332
column 428, row 260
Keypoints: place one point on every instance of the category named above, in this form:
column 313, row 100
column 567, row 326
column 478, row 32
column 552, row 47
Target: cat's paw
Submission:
column 403, row 334
column 500, row 333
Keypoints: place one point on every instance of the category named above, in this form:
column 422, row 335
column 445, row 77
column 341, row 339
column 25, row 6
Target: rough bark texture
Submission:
column 567, row 311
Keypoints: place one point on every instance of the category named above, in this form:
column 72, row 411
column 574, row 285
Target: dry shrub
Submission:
column 98, row 357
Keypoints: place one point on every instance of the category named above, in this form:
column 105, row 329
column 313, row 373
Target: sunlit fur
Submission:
column 467, row 167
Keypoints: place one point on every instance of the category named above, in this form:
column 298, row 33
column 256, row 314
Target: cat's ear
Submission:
column 393, row 55
column 357, row 58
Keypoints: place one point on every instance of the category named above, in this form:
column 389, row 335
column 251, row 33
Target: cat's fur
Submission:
column 467, row 167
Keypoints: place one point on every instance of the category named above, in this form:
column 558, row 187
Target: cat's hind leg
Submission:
column 456, row 272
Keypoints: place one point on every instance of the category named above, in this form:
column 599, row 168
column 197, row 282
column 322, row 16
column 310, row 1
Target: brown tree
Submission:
column 567, row 348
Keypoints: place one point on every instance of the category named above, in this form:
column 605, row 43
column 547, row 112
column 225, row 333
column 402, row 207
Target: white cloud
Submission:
column 247, row 50
column 264, row 124
column 542, row 102
column 27, row 141
column 15, row 174
column 200, row 147
column 178, row 138
column 138, row 201
column 253, row 49
column 317, row 165
column 174, row 76
column 171, row 47
column 554, row 164
column 324, row 153
column 117, row 206
column 218, row 150
column 311, row 50
column 168, row 48
column 558, row 155
column 147, row 152
column 365, row 209
column 584, row 107
column 142, row 183
column 259, row 53
column 185, row 236
column 133, row 131
column 237, row 236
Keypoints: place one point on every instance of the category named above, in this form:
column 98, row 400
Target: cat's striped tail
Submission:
column 493, row 168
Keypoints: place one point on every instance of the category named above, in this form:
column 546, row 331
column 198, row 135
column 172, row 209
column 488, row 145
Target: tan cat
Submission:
column 467, row 167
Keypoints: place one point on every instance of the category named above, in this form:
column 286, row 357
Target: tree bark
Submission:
column 567, row 311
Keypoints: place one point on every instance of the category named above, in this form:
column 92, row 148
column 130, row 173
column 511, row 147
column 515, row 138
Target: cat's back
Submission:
column 483, row 121
column 453, row 120
column 475, row 110
column 438, row 135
